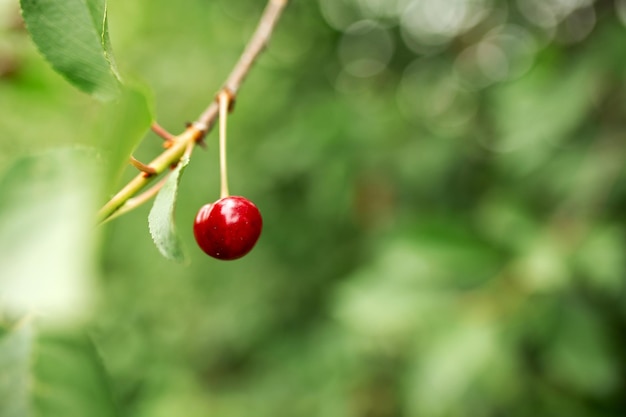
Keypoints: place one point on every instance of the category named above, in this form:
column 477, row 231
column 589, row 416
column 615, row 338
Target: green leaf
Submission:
column 453, row 365
column 580, row 354
column 73, row 36
column 124, row 123
column 15, row 361
column 47, row 238
column 161, row 218
column 52, row 375
column 530, row 124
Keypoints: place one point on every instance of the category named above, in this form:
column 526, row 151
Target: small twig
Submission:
column 196, row 131
column 256, row 45
column 164, row 134
column 146, row 169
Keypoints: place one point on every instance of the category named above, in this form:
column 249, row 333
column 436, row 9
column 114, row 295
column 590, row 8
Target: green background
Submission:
column 443, row 199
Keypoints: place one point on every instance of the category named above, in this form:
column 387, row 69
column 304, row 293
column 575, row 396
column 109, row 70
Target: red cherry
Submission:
column 229, row 228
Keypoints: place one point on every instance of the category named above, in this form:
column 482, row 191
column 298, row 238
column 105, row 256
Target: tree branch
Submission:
column 197, row 130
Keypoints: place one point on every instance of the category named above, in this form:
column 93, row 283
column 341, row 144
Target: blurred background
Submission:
column 443, row 198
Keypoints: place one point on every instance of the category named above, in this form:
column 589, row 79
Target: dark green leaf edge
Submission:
column 97, row 75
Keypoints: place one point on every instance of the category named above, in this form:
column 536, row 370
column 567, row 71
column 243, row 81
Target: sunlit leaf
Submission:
column 47, row 204
column 161, row 218
column 73, row 36
column 530, row 123
column 451, row 366
column 602, row 259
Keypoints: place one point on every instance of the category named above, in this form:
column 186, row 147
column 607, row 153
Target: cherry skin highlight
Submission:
column 229, row 228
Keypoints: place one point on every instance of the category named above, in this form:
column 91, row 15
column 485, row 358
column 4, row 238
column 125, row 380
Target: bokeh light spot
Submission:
column 549, row 13
column 481, row 65
column 430, row 95
column 505, row 53
column 379, row 9
column 577, row 26
column 620, row 6
column 340, row 14
column 437, row 22
column 365, row 49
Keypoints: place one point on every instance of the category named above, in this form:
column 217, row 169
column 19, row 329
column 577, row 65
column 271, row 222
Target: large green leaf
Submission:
column 51, row 376
column 124, row 122
column 47, row 204
column 161, row 218
column 73, row 36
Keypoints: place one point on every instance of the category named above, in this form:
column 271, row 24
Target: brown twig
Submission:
column 146, row 169
column 196, row 131
column 164, row 134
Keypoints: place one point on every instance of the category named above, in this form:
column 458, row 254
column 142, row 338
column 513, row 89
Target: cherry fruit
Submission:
column 229, row 228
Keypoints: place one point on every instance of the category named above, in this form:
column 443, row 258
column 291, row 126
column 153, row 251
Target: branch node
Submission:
column 230, row 95
column 201, row 126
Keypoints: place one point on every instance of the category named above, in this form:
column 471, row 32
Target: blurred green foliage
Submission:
column 443, row 202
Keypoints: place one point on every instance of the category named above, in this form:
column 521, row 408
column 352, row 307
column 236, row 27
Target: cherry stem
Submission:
column 224, row 101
